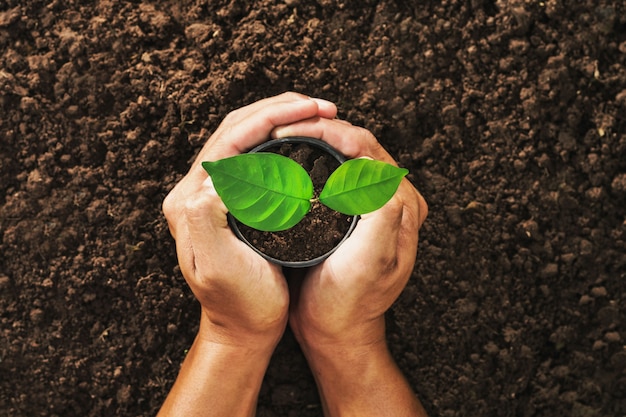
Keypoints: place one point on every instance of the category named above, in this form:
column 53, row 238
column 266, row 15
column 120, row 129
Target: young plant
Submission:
column 271, row 192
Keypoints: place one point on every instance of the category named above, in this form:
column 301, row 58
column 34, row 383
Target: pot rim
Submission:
column 318, row 143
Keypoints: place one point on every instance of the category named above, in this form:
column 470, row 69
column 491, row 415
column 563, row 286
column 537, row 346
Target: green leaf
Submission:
column 266, row 191
column 361, row 186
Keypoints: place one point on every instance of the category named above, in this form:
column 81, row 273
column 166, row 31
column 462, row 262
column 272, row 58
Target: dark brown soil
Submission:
column 321, row 230
column 510, row 116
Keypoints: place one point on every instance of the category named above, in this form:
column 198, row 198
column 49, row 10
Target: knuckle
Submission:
column 359, row 142
column 197, row 204
column 372, row 146
column 228, row 121
column 366, row 137
column 170, row 206
column 291, row 95
column 205, row 205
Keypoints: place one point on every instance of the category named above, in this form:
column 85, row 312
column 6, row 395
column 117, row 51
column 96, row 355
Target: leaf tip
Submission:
column 207, row 166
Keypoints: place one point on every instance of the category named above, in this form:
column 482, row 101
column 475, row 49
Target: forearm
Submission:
column 361, row 381
column 218, row 380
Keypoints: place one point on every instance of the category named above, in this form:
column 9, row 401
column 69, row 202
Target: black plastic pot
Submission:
column 267, row 146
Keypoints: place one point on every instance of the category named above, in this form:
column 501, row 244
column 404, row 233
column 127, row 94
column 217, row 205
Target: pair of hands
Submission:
column 245, row 299
column 336, row 309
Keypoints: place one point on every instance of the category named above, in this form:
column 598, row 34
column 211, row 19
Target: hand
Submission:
column 337, row 308
column 244, row 298
column 241, row 294
column 343, row 300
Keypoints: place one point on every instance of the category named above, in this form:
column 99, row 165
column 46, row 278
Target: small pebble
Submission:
column 598, row 345
column 4, row 282
column 36, row 315
column 598, row 292
column 585, row 299
column 172, row 328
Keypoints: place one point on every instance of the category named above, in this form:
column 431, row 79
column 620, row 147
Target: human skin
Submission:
column 337, row 309
column 246, row 302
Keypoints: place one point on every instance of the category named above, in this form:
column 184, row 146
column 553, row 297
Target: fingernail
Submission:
column 280, row 132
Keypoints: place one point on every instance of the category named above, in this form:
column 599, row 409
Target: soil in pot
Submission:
column 322, row 228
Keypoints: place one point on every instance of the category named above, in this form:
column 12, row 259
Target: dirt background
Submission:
column 509, row 114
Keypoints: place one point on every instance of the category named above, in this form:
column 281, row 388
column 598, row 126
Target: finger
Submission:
column 285, row 107
column 326, row 108
column 238, row 135
column 237, row 115
column 245, row 128
column 352, row 141
column 252, row 126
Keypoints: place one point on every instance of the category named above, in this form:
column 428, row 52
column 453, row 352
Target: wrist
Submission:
column 349, row 378
column 218, row 378
column 344, row 352
column 318, row 338
column 239, row 338
column 360, row 379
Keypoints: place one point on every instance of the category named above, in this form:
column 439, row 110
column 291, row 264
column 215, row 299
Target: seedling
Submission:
column 271, row 192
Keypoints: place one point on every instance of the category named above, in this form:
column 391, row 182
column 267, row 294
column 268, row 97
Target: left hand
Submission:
column 337, row 309
column 242, row 295
column 343, row 300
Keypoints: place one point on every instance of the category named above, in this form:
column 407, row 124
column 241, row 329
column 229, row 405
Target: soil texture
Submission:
column 509, row 114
